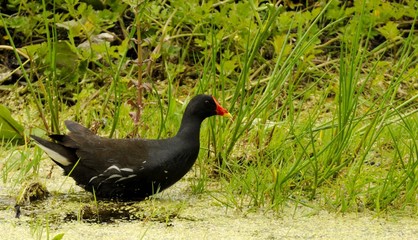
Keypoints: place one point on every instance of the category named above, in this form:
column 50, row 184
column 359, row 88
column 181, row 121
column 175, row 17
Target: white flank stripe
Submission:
column 91, row 179
column 56, row 156
column 127, row 169
column 114, row 176
column 124, row 178
column 112, row 167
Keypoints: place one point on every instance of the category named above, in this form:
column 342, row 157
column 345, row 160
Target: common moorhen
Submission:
column 130, row 169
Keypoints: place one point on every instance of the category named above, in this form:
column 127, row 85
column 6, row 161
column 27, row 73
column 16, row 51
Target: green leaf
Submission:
column 279, row 41
column 9, row 128
column 390, row 31
column 59, row 236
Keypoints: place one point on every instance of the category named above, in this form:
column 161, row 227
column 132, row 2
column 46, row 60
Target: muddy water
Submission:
column 176, row 214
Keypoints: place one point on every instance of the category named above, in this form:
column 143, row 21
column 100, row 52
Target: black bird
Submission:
column 130, row 169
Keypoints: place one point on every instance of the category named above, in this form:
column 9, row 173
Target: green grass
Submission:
column 325, row 113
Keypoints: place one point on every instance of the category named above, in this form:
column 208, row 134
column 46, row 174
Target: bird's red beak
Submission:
column 221, row 111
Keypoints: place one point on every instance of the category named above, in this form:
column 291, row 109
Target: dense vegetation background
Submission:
column 324, row 93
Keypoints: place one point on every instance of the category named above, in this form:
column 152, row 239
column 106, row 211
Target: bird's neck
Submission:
column 190, row 128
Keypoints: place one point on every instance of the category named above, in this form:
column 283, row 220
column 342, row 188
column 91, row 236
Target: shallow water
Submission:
column 176, row 214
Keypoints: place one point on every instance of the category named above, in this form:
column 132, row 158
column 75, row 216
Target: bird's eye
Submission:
column 207, row 101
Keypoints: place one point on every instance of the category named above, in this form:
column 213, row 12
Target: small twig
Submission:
column 139, row 103
column 7, row 47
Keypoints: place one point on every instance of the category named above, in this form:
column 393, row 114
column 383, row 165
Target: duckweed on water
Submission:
column 63, row 209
